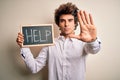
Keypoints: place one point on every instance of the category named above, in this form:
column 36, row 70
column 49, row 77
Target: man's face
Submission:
column 67, row 24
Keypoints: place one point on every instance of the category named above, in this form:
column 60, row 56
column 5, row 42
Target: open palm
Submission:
column 87, row 28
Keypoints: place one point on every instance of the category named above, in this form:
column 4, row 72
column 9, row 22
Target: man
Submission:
column 66, row 59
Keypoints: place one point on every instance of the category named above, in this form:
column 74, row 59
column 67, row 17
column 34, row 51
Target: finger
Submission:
column 80, row 21
column 91, row 19
column 79, row 18
column 19, row 40
column 87, row 17
column 20, row 44
column 20, row 37
column 20, row 34
column 83, row 17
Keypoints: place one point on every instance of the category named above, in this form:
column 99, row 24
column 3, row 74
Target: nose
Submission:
column 66, row 23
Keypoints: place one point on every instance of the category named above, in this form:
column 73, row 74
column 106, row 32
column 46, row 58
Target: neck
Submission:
column 66, row 35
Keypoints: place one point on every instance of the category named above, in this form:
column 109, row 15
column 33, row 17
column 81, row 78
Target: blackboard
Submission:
column 37, row 35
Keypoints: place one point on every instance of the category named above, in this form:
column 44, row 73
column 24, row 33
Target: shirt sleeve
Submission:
column 34, row 64
column 93, row 47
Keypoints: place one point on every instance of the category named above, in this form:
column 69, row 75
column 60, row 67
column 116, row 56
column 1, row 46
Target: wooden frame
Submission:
column 37, row 35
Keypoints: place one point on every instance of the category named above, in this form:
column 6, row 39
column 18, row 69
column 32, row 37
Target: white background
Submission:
column 13, row 13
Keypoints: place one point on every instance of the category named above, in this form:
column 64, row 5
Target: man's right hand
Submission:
column 20, row 39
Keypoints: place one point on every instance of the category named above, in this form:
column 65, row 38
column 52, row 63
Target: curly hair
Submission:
column 67, row 8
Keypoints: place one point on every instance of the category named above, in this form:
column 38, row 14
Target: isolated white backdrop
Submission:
column 13, row 13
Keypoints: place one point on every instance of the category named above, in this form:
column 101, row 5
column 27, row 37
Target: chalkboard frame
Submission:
column 39, row 25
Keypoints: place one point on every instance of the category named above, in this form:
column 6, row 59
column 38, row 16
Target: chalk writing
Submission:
column 37, row 35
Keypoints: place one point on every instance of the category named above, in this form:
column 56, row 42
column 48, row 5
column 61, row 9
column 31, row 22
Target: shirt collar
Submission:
column 63, row 38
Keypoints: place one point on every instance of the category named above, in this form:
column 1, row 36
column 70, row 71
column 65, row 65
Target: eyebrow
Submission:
column 68, row 19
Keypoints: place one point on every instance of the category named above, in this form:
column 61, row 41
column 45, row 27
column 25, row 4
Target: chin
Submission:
column 67, row 33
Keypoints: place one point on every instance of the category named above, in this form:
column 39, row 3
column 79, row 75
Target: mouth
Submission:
column 66, row 29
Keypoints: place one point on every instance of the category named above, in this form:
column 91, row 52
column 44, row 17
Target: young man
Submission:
column 66, row 59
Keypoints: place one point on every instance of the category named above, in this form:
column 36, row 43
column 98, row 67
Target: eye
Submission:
column 62, row 20
column 70, row 20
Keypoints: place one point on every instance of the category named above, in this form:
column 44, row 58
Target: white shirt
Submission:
column 66, row 59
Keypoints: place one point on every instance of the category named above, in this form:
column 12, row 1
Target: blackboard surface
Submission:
column 38, row 35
